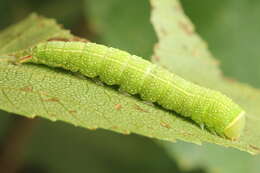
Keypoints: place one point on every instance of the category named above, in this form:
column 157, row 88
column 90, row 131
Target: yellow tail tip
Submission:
column 236, row 127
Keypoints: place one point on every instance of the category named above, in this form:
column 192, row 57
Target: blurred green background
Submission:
column 231, row 29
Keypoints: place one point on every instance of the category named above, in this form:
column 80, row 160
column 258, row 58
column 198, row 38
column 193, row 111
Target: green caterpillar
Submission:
column 137, row 76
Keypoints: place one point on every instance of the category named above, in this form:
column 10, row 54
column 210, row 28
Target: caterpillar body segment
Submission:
column 137, row 76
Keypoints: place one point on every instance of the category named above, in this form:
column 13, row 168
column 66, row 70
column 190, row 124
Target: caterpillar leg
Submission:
column 148, row 103
column 122, row 91
column 202, row 126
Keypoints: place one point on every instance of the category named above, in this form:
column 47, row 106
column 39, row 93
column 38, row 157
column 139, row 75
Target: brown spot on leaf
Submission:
column 195, row 52
column 77, row 39
column 41, row 24
column 156, row 58
column 72, row 111
column 230, row 79
column 126, row 132
column 27, row 89
column 178, row 8
column 24, row 59
column 185, row 133
column 216, row 62
column 254, row 147
column 188, row 29
column 58, row 39
column 118, row 106
column 156, row 46
column 137, row 107
column 152, row 5
column 114, row 127
column 53, row 115
column 163, row 31
column 166, row 125
column 53, row 99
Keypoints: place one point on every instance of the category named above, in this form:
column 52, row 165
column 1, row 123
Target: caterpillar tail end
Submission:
column 236, row 127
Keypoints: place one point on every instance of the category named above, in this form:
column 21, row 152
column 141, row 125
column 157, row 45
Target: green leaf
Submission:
column 29, row 32
column 180, row 49
column 56, row 94
column 239, row 60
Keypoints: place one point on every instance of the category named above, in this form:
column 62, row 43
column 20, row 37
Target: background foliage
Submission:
column 104, row 22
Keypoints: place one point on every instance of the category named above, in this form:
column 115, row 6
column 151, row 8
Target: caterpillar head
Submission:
column 235, row 128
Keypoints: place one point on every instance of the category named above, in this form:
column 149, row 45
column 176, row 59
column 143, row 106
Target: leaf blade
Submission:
column 55, row 94
column 183, row 51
